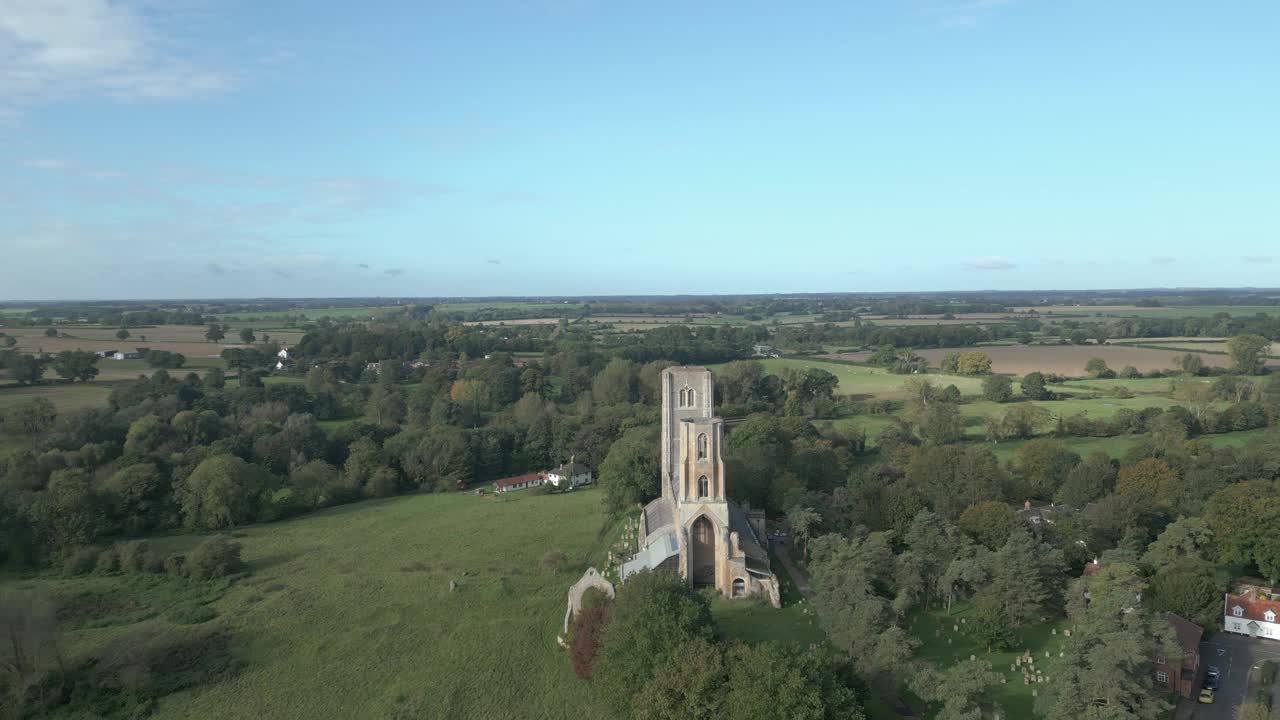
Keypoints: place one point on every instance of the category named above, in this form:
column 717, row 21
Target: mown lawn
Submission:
column 348, row 612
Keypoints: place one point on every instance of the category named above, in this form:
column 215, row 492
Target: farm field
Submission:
column 526, row 321
column 186, row 339
column 310, row 313
column 1066, row 360
column 919, row 321
column 863, row 380
column 373, row 578
column 65, row 397
column 1165, row 311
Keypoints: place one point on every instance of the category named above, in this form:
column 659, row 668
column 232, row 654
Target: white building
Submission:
column 1254, row 612
column 570, row 474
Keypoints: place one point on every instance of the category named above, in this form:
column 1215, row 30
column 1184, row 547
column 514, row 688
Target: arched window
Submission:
column 703, row 486
column 702, row 446
column 739, row 587
column 693, row 398
column 684, row 397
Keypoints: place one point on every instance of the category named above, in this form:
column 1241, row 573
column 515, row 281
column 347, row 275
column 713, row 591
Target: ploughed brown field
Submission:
column 186, row 339
column 1066, row 360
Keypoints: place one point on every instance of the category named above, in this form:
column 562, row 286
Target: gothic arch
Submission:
column 704, row 487
column 703, row 444
column 702, row 551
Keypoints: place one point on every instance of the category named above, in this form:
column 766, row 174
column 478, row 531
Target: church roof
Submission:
column 746, row 534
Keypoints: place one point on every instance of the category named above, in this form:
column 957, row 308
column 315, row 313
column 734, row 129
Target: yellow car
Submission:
column 1206, row 696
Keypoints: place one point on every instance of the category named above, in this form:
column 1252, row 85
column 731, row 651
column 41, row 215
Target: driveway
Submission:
column 1234, row 655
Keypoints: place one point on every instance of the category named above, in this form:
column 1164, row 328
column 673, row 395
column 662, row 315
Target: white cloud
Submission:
column 56, row 49
column 989, row 263
column 45, row 163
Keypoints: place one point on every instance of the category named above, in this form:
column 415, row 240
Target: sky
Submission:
column 240, row 148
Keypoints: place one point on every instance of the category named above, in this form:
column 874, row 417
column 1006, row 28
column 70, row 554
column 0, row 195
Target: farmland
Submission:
column 1066, row 360
column 864, row 380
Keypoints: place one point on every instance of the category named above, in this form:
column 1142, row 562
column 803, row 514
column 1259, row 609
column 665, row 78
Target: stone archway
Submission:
column 702, row 551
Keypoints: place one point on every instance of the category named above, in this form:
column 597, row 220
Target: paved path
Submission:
column 798, row 577
column 801, row 582
column 1235, row 656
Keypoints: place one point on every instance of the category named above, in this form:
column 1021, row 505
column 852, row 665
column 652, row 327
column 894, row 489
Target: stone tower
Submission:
column 687, row 393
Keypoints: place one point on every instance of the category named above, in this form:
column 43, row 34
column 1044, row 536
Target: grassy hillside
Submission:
column 348, row 613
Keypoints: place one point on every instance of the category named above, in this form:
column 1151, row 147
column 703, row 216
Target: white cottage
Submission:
column 1254, row 612
column 570, row 475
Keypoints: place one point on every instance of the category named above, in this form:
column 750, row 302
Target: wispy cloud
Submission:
column 281, row 273
column 493, row 261
column 215, row 269
column 362, row 266
column 1259, row 259
column 45, row 163
column 989, row 263
column 963, row 13
column 58, row 49
column 1163, row 260
column 394, row 272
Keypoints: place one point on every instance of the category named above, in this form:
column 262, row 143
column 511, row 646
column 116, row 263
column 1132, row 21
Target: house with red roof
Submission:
column 1252, row 611
column 519, row 482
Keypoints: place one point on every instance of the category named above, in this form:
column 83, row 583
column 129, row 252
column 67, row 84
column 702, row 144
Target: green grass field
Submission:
column 944, row 645
column 864, row 380
column 348, row 612
column 65, row 397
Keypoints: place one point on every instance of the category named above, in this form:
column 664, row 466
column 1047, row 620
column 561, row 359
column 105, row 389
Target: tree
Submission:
column 1107, row 668
column 653, row 615
column 770, row 681
column 1033, row 387
column 1151, row 478
column 1044, row 466
column 51, row 332
column 616, row 383
column 76, row 365
column 990, row 627
column 1186, row 538
column 30, row 418
column 1248, row 353
column 1026, row 578
column 215, row 379
column 30, row 649
column 140, row 497
column 223, row 491
column 1088, row 480
column 1019, row 422
column 689, row 687
column 989, row 523
column 1190, row 363
column 963, row 689
column 629, row 473
column 218, row 556
column 26, row 369
column 997, row 388
column 246, row 336
column 1097, row 368
column 122, row 334
column 973, row 362
column 1188, row 587
column 214, row 333
column 1242, row 517
column 849, row 576
column 802, row 521
column 164, row 359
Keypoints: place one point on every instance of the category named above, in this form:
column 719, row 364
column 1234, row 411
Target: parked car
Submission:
column 1211, row 677
column 1206, row 696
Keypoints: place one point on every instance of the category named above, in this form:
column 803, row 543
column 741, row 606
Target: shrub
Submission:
column 216, row 557
column 80, row 562
column 584, row 642
column 192, row 615
column 134, row 556
column 176, row 565
column 555, row 561
column 150, row 662
column 108, row 561
column 593, row 598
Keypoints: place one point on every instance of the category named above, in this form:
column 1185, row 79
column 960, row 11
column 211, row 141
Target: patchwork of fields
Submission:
column 1066, row 360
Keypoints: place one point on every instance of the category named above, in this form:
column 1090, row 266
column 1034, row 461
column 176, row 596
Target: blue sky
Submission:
column 220, row 148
